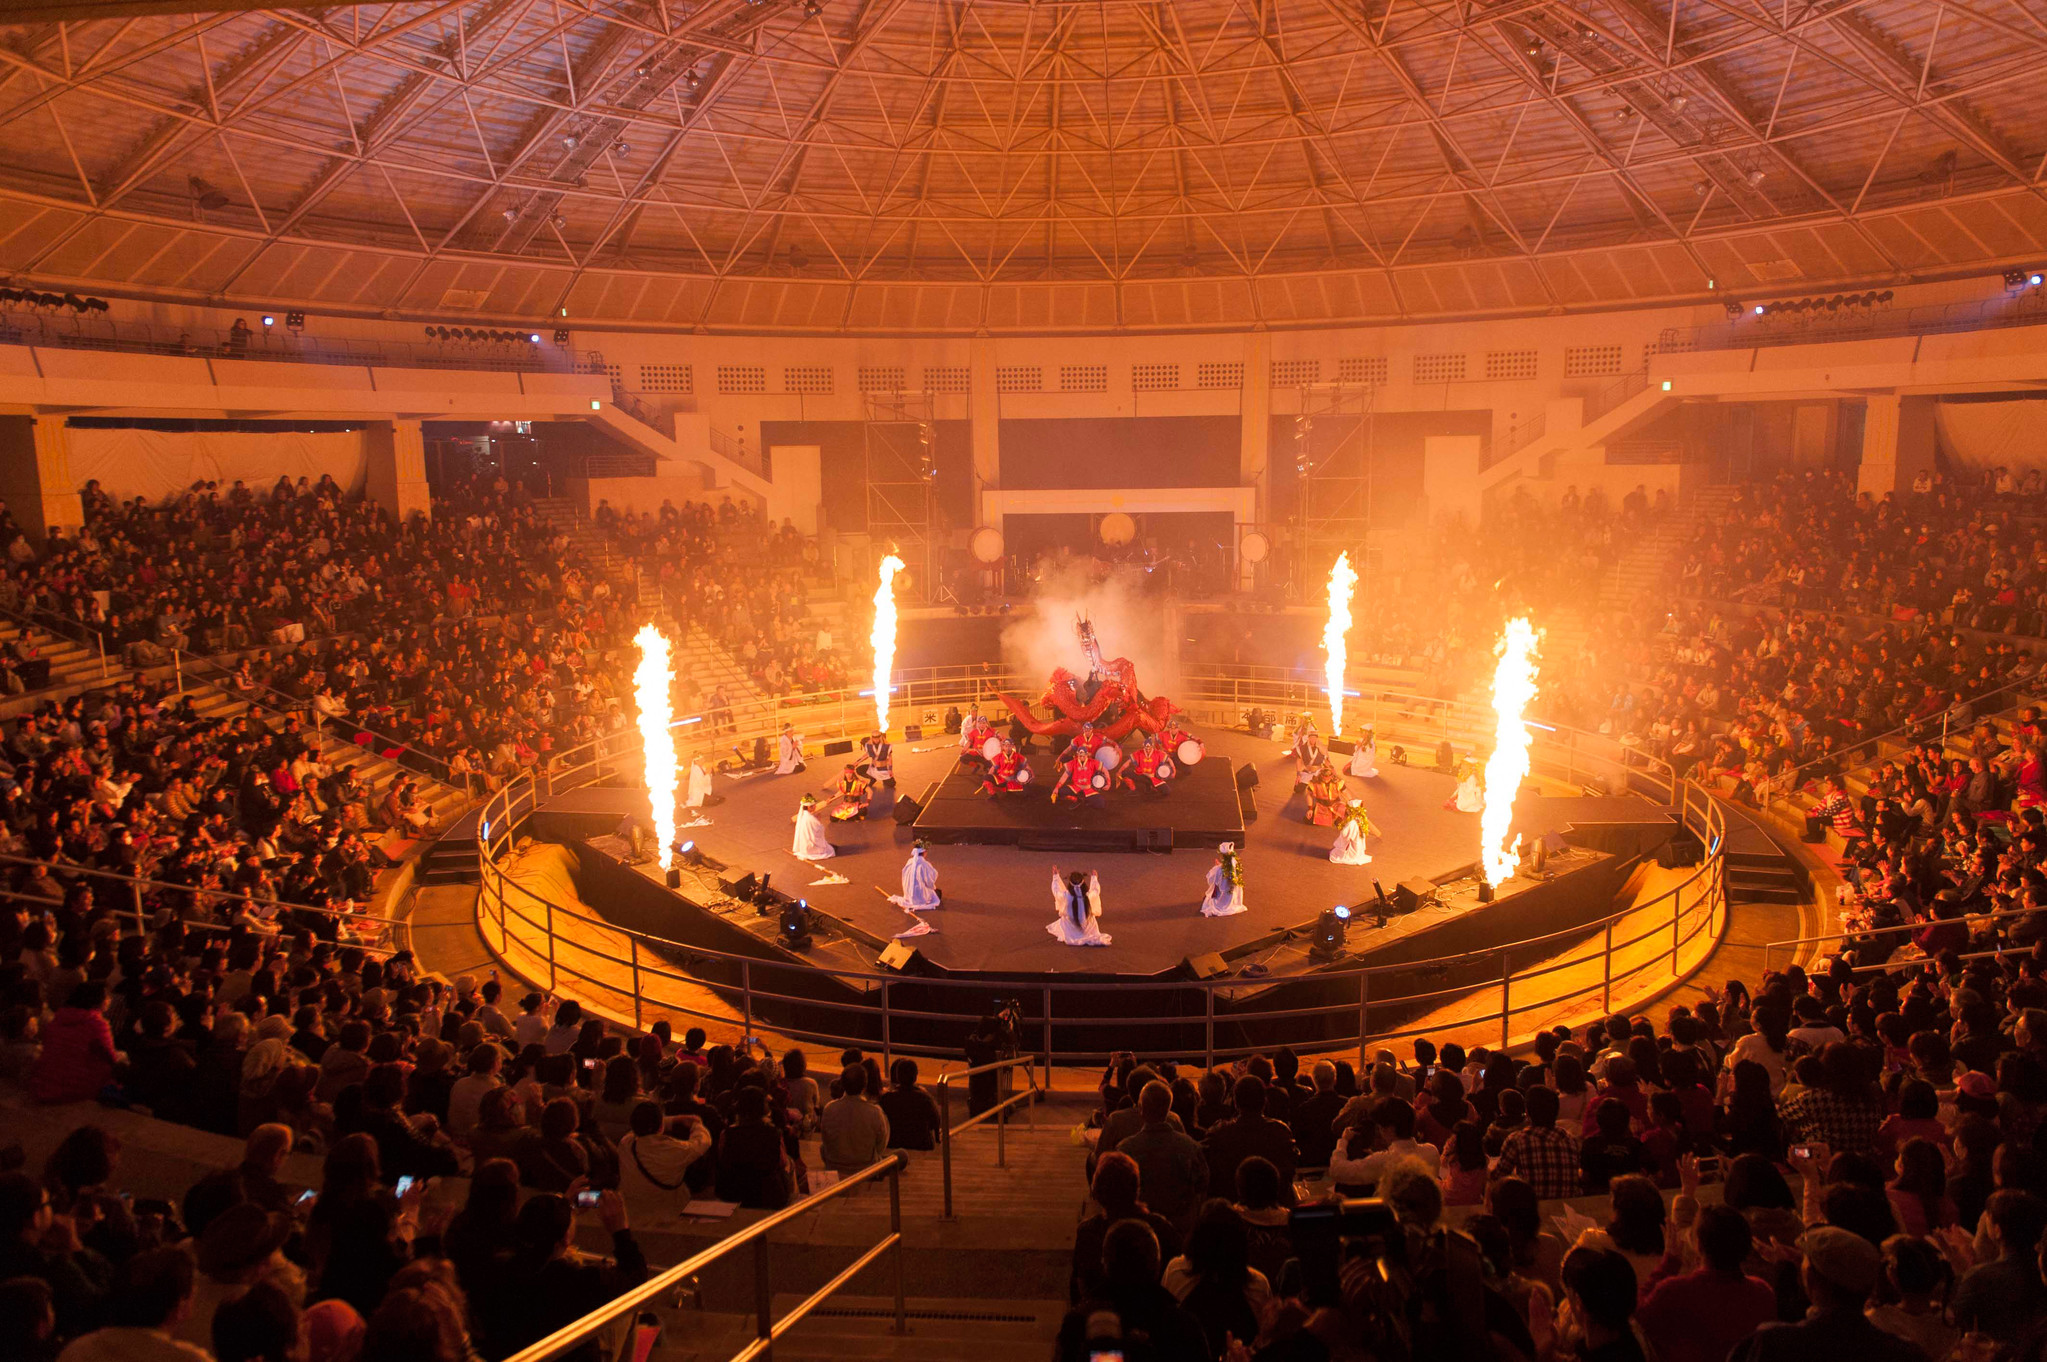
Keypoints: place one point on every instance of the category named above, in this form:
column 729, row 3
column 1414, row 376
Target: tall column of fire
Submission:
column 884, row 637
column 651, row 682
column 1342, row 582
column 1513, row 689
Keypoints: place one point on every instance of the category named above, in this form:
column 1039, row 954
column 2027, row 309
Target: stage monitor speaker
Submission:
column 742, row 888
column 839, row 748
column 1247, row 777
column 913, row 733
column 1208, row 966
column 906, row 810
column 899, row 956
column 1410, row 895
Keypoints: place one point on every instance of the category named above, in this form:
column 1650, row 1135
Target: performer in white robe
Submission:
column 1364, row 758
column 810, row 843
column 789, row 752
column 1225, row 895
column 1351, row 830
column 1077, row 898
column 699, row 786
column 1470, row 796
column 920, row 884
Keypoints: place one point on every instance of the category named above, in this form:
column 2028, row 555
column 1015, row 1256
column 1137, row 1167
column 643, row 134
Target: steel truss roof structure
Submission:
column 948, row 165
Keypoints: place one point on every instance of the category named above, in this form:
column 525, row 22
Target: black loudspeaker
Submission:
column 898, row 956
column 1409, row 895
column 1208, row 966
column 1247, row 777
column 913, row 733
column 906, row 810
column 742, row 888
column 839, row 748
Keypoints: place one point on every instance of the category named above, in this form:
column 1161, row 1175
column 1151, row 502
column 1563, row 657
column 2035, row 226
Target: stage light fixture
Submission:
column 690, row 854
column 2034, row 278
column 533, row 338
column 1758, row 309
column 268, row 321
column 1330, row 929
column 795, row 925
column 561, row 335
column 295, row 320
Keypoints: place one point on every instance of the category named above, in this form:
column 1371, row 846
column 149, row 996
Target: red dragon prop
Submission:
column 1116, row 707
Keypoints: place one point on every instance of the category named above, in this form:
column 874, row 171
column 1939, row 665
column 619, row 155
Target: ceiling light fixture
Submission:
column 1757, row 176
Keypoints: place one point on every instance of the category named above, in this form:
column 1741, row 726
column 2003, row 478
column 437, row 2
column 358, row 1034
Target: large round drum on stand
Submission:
column 1190, row 752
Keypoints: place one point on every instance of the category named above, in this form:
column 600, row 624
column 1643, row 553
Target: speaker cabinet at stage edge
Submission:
column 906, row 810
column 1209, row 966
column 839, row 748
column 1413, row 894
column 913, row 733
column 1247, row 777
column 743, row 887
column 899, row 956
column 1680, row 851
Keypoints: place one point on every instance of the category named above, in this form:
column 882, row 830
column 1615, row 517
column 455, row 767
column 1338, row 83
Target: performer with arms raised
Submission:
column 1077, row 898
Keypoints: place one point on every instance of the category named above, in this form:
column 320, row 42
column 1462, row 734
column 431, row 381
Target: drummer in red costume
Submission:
column 1150, row 768
column 1009, row 773
column 1081, row 778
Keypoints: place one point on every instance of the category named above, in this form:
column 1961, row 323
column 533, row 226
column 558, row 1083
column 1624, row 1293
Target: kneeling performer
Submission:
column 920, row 891
column 1350, row 836
column 880, row 759
column 854, row 794
column 1008, row 773
column 1081, row 779
column 810, row 843
column 1225, row 894
column 1077, row 898
column 1149, row 768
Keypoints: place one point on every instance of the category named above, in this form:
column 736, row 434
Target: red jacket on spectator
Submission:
column 77, row 1059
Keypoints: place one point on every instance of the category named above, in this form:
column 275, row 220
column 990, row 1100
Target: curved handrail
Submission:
column 1686, row 922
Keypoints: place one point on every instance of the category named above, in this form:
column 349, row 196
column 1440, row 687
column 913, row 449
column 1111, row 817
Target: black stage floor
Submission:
column 998, row 898
column 1200, row 812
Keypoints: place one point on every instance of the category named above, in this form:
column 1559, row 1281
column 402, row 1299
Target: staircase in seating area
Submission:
column 74, row 667
column 588, row 542
column 1645, row 564
column 442, row 801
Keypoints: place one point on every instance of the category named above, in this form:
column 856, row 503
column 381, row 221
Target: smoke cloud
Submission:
column 1127, row 622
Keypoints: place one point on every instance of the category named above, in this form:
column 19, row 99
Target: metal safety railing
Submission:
column 634, row 976
column 997, row 1113
column 1967, row 920
column 768, row 1327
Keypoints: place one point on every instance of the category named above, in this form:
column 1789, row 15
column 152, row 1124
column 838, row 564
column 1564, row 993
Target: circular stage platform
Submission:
column 998, row 897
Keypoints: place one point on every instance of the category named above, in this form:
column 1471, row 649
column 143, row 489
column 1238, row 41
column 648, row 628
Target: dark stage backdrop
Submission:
column 1121, row 451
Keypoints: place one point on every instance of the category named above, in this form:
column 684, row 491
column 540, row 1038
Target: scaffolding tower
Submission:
column 899, row 434
column 1332, row 451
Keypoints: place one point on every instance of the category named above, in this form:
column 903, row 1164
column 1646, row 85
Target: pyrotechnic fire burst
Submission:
column 1342, row 581
column 1513, row 689
column 884, row 637
column 651, row 680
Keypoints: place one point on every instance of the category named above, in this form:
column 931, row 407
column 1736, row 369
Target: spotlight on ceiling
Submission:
column 1759, row 309
column 1533, row 47
column 1677, row 103
column 511, row 214
column 533, row 338
column 1757, row 176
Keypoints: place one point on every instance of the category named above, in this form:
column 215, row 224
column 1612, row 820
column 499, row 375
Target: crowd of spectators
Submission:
column 400, row 1083
column 1838, row 1165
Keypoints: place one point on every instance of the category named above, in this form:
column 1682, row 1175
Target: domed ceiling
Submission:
column 948, row 165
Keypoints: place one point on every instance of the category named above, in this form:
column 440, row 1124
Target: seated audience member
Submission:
column 149, row 1301
column 1699, row 1316
column 1131, row 1305
column 655, row 1155
column 1838, row 1271
column 854, row 1127
column 913, row 1119
column 1250, row 1133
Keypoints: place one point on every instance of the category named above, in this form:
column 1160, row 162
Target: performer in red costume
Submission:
column 1149, row 769
column 1009, row 773
column 1078, row 776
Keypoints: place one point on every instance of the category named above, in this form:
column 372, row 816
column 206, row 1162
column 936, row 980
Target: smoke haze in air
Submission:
column 1128, row 624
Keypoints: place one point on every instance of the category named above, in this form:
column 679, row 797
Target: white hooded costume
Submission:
column 789, row 754
column 810, row 843
column 1470, row 796
column 699, row 784
column 1080, row 912
column 920, row 884
column 1364, row 758
column 1222, row 898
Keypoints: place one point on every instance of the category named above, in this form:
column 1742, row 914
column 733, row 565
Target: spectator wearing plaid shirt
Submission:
column 1845, row 1111
column 1539, row 1153
column 1837, row 808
